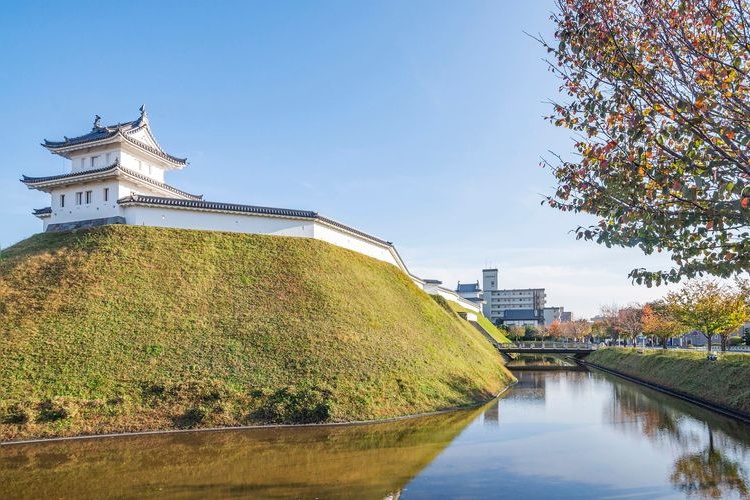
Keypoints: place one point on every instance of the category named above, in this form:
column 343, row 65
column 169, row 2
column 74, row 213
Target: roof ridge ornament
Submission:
column 97, row 123
column 144, row 115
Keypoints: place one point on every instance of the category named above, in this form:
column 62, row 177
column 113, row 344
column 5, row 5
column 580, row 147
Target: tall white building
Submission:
column 521, row 306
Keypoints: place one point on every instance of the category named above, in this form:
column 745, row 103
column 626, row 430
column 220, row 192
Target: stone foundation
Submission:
column 84, row 224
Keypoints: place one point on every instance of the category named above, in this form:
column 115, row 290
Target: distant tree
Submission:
column 610, row 320
column 578, row 329
column 630, row 321
column 658, row 93
column 709, row 307
column 534, row 332
column 516, row 332
column 660, row 322
column 599, row 329
column 555, row 329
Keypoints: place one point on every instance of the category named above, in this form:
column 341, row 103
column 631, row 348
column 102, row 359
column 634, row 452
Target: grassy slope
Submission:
column 127, row 328
column 494, row 331
column 725, row 382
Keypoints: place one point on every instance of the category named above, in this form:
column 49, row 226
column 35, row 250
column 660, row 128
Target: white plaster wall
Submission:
column 359, row 244
column 210, row 221
column 126, row 188
column 97, row 209
column 102, row 158
column 141, row 164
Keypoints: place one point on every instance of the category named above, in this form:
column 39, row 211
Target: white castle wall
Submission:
column 433, row 288
column 343, row 238
column 96, row 209
column 211, row 221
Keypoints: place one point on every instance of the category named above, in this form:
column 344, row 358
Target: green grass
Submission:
column 725, row 382
column 130, row 328
column 494, row 331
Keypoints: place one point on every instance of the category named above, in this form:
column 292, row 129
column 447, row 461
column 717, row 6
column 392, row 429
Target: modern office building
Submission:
column 526, row 305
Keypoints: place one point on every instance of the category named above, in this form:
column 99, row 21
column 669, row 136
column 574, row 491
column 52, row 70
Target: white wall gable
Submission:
column 144, row 137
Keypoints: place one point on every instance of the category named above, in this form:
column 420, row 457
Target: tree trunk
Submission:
column 708, row 336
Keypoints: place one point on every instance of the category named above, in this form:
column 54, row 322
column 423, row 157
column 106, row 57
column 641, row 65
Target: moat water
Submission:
column 557, row 434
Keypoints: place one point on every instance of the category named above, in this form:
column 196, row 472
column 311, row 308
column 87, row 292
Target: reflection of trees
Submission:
column 708, row 473
column 631, row 408
column 711, row 472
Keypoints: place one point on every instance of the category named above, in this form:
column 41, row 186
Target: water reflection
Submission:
column 373, row 461
column 557, row 434
column 713, row 448
column 709, row 473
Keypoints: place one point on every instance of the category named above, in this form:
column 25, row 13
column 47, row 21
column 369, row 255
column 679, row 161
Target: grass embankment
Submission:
column 725, row 382
column 129, row 328
column 485, row 323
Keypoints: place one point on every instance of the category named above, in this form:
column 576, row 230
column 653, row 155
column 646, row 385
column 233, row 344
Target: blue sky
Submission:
column 419, row 122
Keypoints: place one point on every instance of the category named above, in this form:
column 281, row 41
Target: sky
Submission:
column 419, row 122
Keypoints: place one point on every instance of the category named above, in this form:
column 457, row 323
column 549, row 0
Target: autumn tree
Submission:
column 555, row 329
column 710, row 307
column 658, row 95
column 630, row 321
column 516, row 332
column 660, row 322
column 577, row 329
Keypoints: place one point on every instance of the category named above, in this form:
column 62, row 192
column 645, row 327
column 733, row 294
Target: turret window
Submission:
column 79, row 198
column 62, row 201
column 88, row 197
column 93, row 160
column 106, row 194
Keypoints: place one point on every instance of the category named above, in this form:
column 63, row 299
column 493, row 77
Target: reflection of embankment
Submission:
column 364, row 461
column 712, row 453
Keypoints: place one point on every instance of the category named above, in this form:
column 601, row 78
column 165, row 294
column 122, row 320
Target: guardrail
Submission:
column 549, row 345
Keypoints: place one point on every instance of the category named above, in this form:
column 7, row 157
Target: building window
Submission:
column 88, row 197
column 79, row 197
column 93, row 160
column 83, row 162
column 106, row 194
column 62, row 201
column 109, row 157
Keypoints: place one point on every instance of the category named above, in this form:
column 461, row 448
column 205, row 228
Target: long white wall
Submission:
column 345, row 239
column 433, row 288
column 212, row 221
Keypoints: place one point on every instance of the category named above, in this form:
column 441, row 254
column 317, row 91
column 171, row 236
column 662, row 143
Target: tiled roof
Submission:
column 43, row 211
column 473, row 287
column 115, row 167
column 520, row 314
column 241, row 209
column 34, row 180
column 99, row 133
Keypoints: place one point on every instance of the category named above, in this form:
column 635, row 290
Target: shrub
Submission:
column 52, row 411
column 16, row 414
column 296, row 405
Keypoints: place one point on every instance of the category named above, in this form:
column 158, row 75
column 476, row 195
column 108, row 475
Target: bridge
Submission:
column 577, row 349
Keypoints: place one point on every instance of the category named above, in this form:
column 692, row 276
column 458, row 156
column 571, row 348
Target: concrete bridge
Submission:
column 577, row 349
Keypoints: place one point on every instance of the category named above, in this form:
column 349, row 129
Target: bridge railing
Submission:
column 549, row 345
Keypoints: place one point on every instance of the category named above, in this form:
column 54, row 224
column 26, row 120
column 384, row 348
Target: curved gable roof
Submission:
column 129, row 131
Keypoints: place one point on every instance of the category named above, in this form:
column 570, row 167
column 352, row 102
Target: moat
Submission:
column 556, row 434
